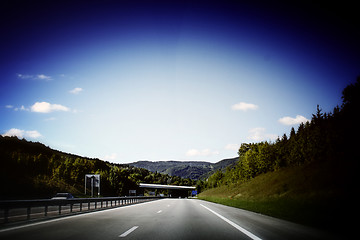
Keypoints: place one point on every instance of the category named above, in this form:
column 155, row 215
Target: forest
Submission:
column 33, row 170
column 328, row 137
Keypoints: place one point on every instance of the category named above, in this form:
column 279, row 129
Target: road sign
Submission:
column 94, row 180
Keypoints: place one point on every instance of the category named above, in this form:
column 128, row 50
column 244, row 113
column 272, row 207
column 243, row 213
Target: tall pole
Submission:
column 99, row 187
column 92, row 186
column 85, row 184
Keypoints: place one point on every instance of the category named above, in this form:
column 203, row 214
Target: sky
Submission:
column 125, row 81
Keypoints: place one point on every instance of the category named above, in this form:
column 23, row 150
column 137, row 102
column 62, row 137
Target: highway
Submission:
column 164, row 219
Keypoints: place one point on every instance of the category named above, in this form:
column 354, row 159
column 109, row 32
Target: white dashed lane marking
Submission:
column 128, row 231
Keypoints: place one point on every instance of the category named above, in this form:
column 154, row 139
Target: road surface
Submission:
column 164, row 219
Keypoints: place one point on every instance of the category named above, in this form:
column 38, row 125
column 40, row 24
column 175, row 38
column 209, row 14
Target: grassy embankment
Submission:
column 314, row 194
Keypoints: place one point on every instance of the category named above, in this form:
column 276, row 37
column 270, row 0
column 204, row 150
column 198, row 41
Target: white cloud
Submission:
column 22, row 108
column 293, row 121
column 243, row 106
column 76, row 90
column 22, row 133
column 32, row 134
column 259, row 134
column 24, row 76
column 204, row 152
column 232, row 146
column 112, row 157
column 43, row 77
column 35, row 77
column 45, row 107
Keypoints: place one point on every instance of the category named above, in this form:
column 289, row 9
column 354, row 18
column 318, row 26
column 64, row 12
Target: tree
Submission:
column 244, row 147
column 350, row 95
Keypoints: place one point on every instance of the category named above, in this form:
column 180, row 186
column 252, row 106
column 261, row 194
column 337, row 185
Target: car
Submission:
column 63, row 196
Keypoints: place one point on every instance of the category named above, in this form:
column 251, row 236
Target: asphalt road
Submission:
column 164, row 219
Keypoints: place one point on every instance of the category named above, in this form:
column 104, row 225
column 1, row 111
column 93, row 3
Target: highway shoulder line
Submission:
column 246, row 232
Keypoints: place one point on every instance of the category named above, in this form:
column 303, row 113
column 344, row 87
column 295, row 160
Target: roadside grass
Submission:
column 307, row 194
column 288, row 209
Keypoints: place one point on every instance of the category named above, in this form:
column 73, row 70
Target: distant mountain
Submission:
column 190, row 169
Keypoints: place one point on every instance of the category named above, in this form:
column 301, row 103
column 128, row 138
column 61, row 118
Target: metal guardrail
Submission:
column 82, row 204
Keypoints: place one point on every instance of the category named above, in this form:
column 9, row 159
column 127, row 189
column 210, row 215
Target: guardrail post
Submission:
column 95, row 204
column 59, row 209
column 6, row 215
column 89, row 205
column 28, row 212
column 80, row 206
column 46, row 210
column 71, row 207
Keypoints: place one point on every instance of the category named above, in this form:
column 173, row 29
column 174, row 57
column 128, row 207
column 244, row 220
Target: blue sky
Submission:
column 127, row 81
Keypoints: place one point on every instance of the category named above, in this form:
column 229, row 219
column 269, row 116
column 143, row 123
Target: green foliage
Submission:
column 327, row 137
column 32, row 170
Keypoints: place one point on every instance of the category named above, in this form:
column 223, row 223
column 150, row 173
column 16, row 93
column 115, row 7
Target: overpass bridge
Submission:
column 174, row 191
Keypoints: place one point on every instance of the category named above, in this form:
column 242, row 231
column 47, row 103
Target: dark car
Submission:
column 63, row 196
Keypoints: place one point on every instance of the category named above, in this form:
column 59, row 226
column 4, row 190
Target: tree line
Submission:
column 33, row 170
column 327, row 137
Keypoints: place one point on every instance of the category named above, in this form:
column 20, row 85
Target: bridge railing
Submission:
column 27, row 209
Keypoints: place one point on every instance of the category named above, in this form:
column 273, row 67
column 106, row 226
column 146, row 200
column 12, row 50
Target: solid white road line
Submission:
column 246, row 232
column 129, row 231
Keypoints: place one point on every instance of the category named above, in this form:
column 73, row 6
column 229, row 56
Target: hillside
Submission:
column 33, row 170
column 307, row 194
column 309, row 177
column 186, row 169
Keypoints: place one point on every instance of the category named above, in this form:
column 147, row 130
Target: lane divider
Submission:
column 246, row 232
